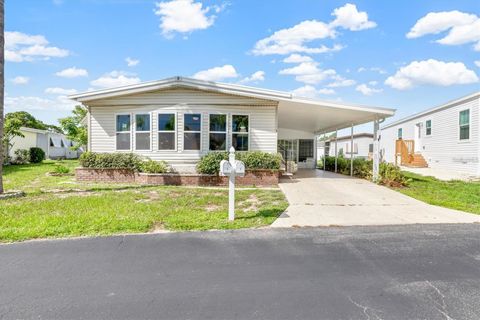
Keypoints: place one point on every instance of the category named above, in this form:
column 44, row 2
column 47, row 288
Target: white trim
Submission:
column 134, row 130
column 175, row 131
column 426, row 128
column 248, row 133
column 469, row 126
column 220, row 113
column 200, row 132
column 131, row 129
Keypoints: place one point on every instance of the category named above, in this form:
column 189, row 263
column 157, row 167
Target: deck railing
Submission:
column 405, row 150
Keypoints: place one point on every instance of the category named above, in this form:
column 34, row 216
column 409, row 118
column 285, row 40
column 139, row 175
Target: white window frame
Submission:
column 247, row 133
column 469, row 125
column 175, row 131
column 131, row 129
column 226, row 130
column 134, row 130
column 426, row 128
column 201, row 132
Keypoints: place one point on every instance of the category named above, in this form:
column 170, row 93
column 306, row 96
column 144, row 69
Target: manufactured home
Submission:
column 180, row 119
column 362, row 146
column 55, row 145
column 446, row 137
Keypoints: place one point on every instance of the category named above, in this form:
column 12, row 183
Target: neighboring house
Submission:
column 445, row 137
column 55, row 145
column 362, row 146
column 180, row 119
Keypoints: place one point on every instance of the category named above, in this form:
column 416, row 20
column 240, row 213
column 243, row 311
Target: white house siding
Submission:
column 262, row 121
column 28, row 141
column 361, row 147
column 443, row 148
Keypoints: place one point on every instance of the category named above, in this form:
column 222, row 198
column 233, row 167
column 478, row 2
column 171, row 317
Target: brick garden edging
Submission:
column 263, row 178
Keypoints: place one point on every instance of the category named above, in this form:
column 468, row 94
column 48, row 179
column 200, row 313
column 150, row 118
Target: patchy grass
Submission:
column 60, row 207
column 459, row 195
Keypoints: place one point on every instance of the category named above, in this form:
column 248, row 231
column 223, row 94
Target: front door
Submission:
column 418, row 137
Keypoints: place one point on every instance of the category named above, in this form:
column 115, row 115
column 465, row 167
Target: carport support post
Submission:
column 231, row 186
column 324, row 150
column 336, row 153
column 376, row 155
column 351, row 150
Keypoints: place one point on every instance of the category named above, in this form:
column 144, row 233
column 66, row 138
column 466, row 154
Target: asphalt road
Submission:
column 401, row 272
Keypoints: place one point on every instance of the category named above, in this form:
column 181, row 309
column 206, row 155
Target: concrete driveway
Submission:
column 320, row 198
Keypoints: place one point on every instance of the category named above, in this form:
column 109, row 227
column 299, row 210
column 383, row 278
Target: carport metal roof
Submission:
column 293, row 112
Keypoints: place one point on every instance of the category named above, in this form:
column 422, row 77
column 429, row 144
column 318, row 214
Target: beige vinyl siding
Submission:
column 262, row 120
column 443, row 149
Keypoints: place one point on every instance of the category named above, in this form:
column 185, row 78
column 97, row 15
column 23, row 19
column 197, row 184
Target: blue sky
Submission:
column 408, row 55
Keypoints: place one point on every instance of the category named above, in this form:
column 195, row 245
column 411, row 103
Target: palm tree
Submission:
column 2, row 85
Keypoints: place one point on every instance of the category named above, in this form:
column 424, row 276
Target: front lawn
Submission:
column 62, row 207
column 459, row 195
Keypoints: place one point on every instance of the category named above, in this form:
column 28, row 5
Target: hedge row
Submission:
column 210, row 163
column 122, row 161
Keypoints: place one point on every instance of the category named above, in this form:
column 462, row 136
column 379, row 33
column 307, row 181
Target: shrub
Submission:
column 37, row 155
column 22, row 156
column 111, row 161
column 390, row 175
column 61, row 169
column 151, row 166
column 362, row 168
column 210, row 163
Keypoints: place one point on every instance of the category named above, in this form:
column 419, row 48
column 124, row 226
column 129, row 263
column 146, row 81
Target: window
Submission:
column 400, row 133
column 142, row 131
column 428, row 127
column 192, row 128
column 218, row 132
column 464, row 124
column 62, row 144
column 166, row 131
column 123, row 132
column 240, row 130
column 370, row 148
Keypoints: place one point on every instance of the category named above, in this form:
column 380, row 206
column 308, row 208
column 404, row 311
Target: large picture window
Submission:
column 464, row 121
column 166, row 131
column 192, row 128
column 142, row 131
column 218, row 132
column 240, row 132
column 123, row 132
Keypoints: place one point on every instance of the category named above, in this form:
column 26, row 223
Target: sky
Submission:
column 407, row 55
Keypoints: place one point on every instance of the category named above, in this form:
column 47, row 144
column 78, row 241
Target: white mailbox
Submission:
column 225, row 168
column 239, row 168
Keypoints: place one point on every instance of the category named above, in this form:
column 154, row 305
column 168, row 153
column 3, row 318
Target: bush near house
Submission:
column 389, row 174
column 111, row 161
column 210, row 163
column 22, row 156
column 151, row 166
column 37, row 155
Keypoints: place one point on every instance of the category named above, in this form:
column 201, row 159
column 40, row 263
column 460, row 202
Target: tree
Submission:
column 11, row 129
column 75, row 130
column 2, row 85
column 29, row 121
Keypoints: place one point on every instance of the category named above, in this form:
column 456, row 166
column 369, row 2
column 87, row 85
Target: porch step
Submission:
column 417, row 161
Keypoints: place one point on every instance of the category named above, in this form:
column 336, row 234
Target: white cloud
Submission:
column 115, row 79
column 373, row 69
column 297, row 38
column 32, row 103
column 308, row 72
column 131, row 62
column 73, row 72
column 217, row 73
column 60, row 91
column 297, row 58
column 184, row 16
column 20, row 80
column 463, row 27
column 431, row 72
column 254, row 77
column 309, row 91
column 348, row 17
column 477, row 63
column 366, row 90
column 21, row 47
column 340, row 81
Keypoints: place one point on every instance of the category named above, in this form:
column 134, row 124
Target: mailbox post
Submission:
column 231, row 168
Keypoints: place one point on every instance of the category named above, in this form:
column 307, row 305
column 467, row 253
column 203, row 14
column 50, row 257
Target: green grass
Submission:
column 60, row 207
column 459, row 195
